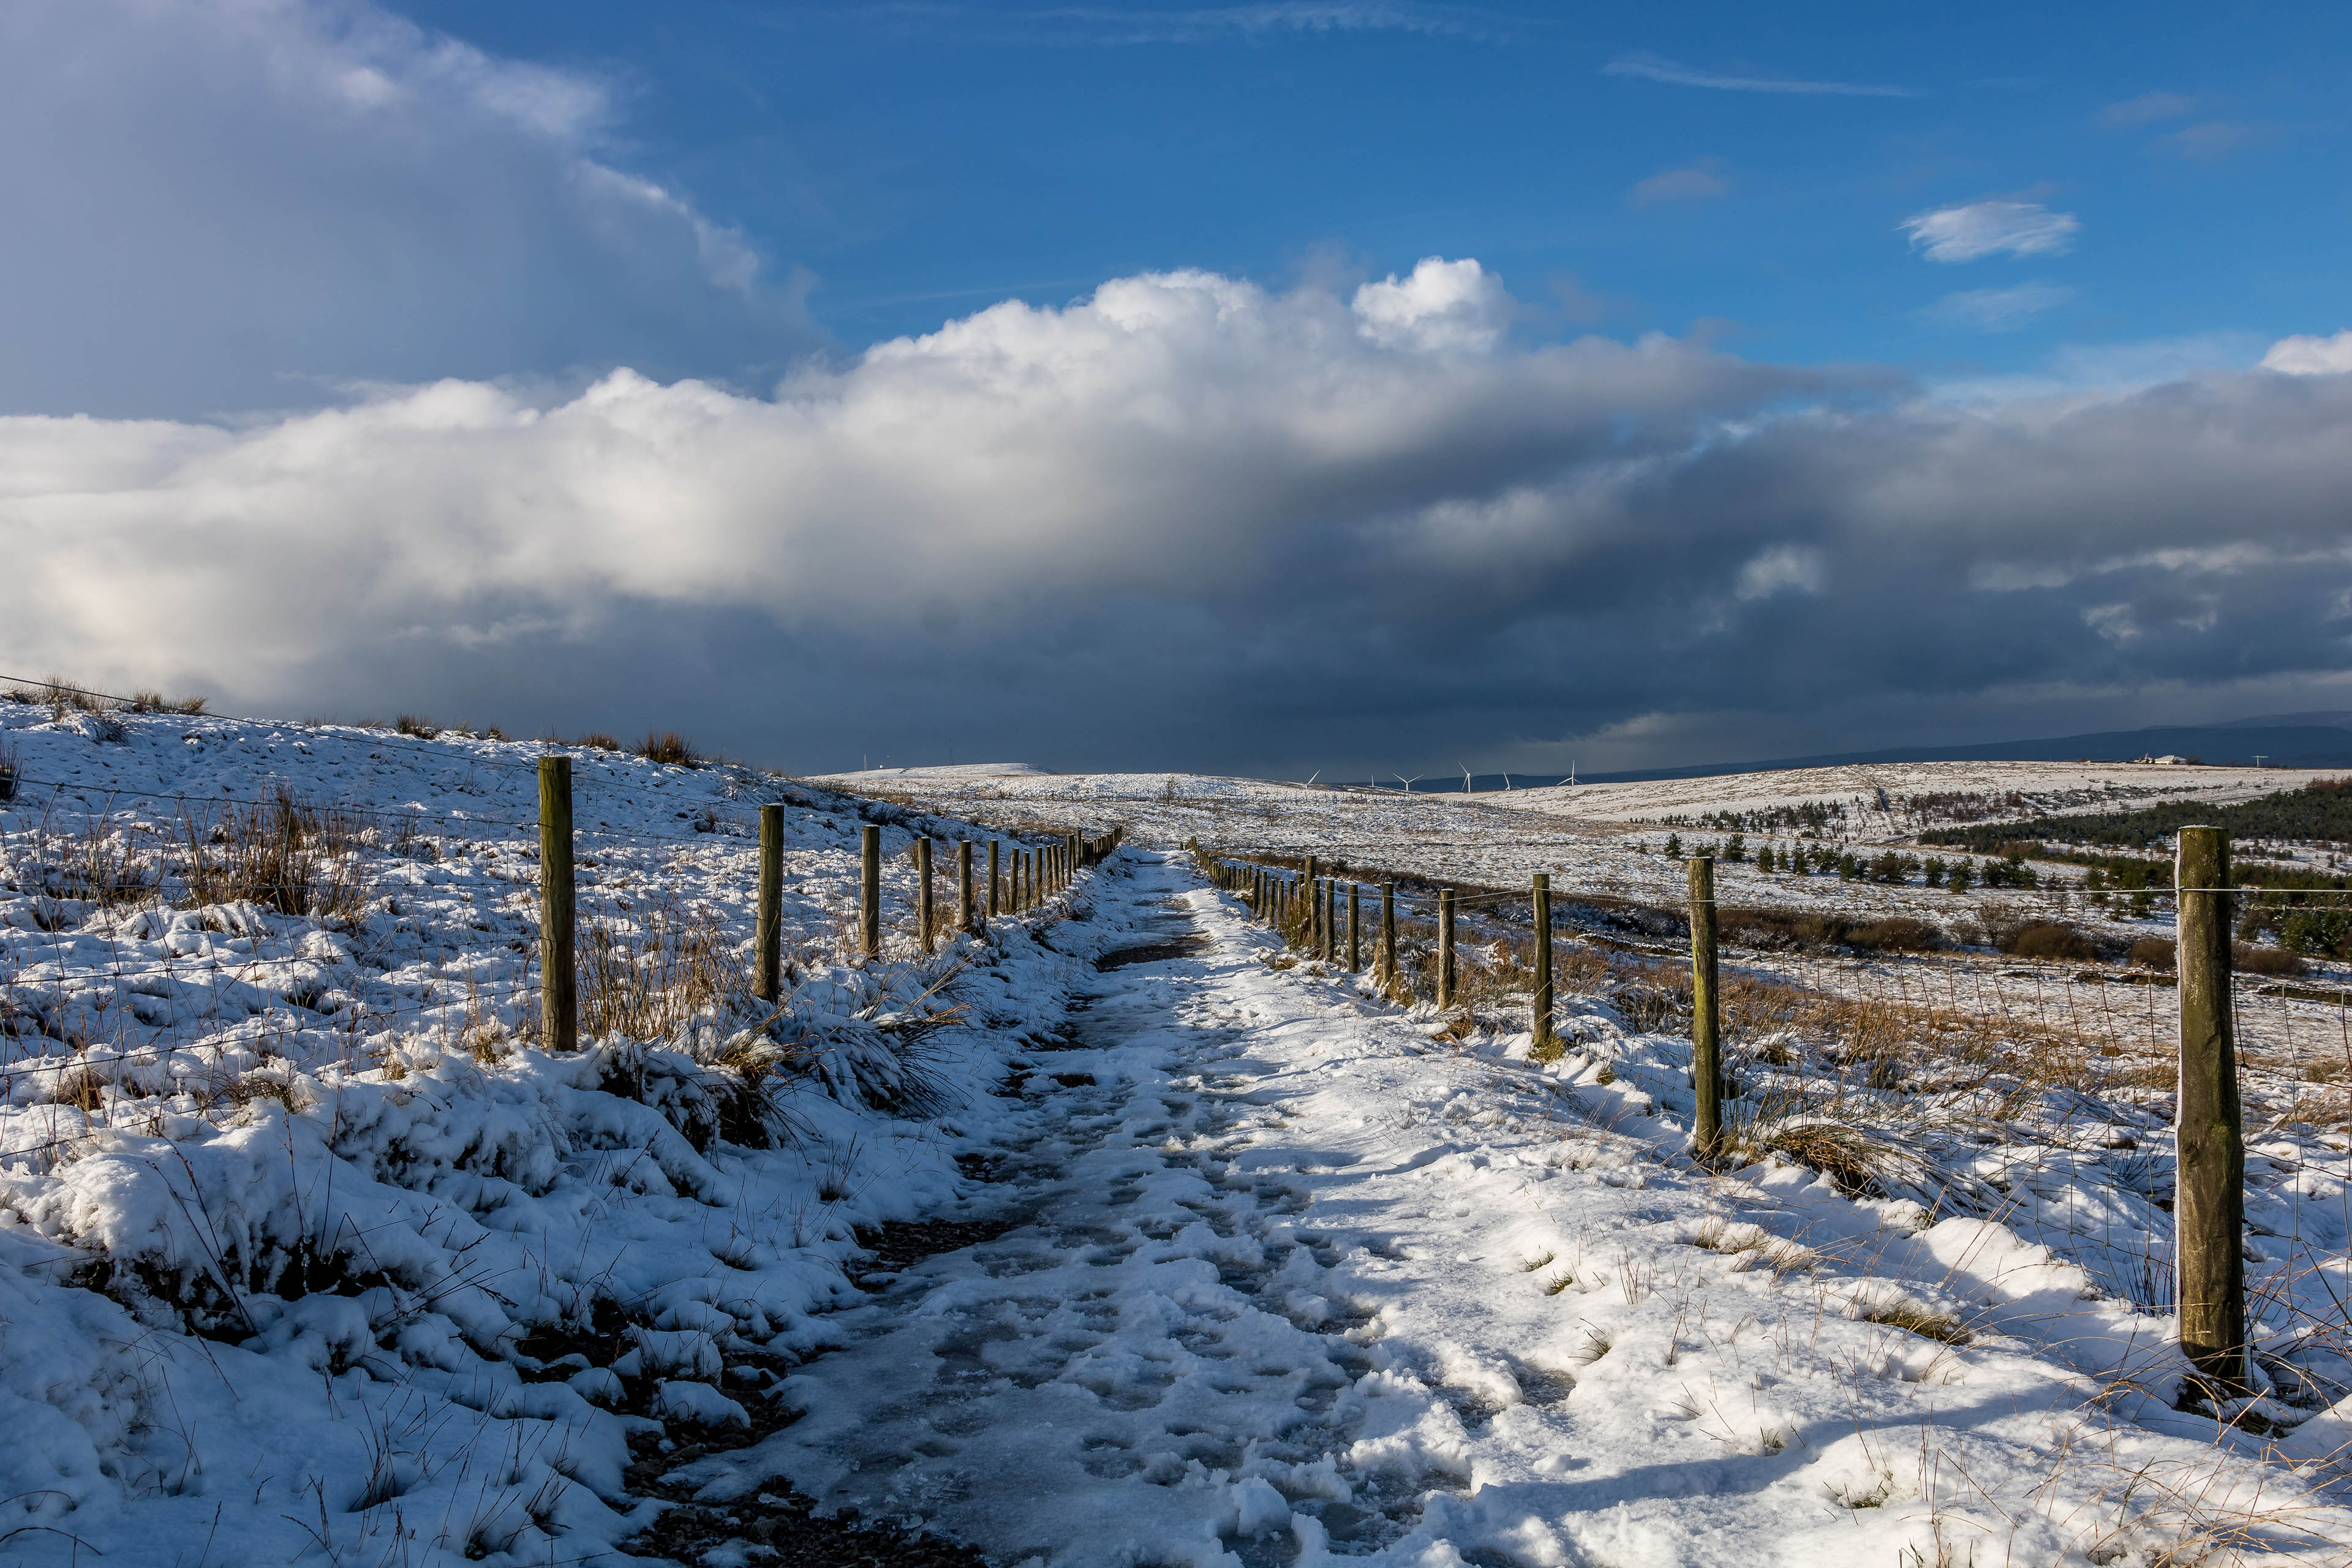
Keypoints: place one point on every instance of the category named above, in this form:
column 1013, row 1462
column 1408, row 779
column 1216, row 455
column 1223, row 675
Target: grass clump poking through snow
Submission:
column 668, row 748
column 280, row 853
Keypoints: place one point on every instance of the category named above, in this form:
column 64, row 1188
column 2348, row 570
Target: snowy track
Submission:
column 1288, row 1281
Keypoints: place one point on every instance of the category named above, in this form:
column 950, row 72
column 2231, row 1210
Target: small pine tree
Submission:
column 1674, row 846
column 1961, row 877
column 1765, row 860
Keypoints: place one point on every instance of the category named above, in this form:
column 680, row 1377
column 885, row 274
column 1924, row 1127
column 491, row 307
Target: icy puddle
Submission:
column 1289, row 1281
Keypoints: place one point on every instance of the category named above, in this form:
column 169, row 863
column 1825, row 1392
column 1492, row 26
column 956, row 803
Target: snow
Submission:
column 1294, row 1282
column 309, row 1252
column 2127, row 785
column 295, row 1215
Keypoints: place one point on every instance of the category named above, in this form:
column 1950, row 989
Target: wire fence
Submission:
column 157, row 946
column 2110, row 1023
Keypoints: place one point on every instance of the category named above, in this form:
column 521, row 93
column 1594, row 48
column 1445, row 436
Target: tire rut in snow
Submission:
column 1155, row 1336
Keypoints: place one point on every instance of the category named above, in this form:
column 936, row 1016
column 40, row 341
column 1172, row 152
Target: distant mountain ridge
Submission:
column 2281, row 740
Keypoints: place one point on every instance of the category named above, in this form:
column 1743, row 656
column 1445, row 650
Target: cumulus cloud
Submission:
column 1444, row 307
column 238, row 203
column 1977, row 230
column 2311, row 355
column 1998, row 310
column 1699, row 181
column 1654, row 67
column 1192, row 522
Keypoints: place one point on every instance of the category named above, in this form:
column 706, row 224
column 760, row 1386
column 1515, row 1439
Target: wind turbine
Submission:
column 1465, row 777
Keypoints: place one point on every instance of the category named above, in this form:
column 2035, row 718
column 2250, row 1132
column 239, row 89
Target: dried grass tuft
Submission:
column 670, row 749
column 280, row 853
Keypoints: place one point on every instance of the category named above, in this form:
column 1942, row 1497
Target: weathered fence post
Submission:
column 1706, row 1041
column 964, row 911
column 1446, row 947
column 768, row 982
column 869, row 891
column 2209, row 1198
column 1355, row 929
column 996, row 879
column 1388, row 964
column 924, row 922
column 559, row 982
column 1541, row 1046
column 1330, row 918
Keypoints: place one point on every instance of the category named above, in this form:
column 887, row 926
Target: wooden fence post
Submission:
column 769, row 979
column 1446, row 947
column 869, row 891
column 1388, row 964
column 1542, row 1047
column 2210, row 1194
column 1355, row 929
column 1706, row 1039
column 996, row 879
column 964, row 911
column 924, row 923
column 559, row 981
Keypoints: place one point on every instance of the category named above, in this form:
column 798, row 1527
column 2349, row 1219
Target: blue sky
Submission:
column 1266, row 388
column 1624, row 169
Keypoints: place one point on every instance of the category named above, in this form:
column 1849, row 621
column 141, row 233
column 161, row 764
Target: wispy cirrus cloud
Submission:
column 2147, row 109
column 2213, row 141
column 1656, row 68
column 1702, row 179
column 1998, row 309
column 1274, row 18
column 1975, row 229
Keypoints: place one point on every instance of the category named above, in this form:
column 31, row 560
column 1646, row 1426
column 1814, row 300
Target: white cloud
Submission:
column 2147, row 107
column 1978, row 229
column 1653, row 67
column 246, row 202
column 1781, row 569
column 2311, row 355
column 1212, row 22
column 1998, row 310
column 1444, row 307
column 1698, row 180
column 1226, row 525
column 2214, row 140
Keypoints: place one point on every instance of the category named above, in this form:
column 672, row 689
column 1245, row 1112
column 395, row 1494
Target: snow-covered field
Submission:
column 1298, row 1278
column 309, row 1250
column 2043, row 786
column 310, row 1253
